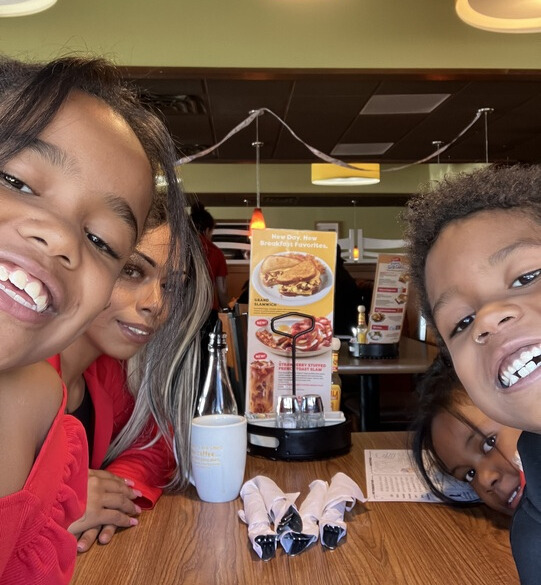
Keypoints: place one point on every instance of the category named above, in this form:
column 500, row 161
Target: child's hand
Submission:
column 109, row 505
column 103, row 534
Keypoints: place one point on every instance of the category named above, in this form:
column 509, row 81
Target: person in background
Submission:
column 78, row 155
column 217, row 266
column 347, row 297
column 452, row 435
column 475, row 262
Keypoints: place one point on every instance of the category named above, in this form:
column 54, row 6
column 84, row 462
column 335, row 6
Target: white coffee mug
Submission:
column 218, row 456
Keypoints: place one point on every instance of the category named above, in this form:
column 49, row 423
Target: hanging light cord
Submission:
column 486, row 111
column 254, row 114
column 257, row 145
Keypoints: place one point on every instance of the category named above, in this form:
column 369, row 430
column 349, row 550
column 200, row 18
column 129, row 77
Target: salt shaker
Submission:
column 312, row 413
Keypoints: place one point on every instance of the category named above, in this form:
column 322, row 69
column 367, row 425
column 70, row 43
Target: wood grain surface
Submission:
column 186, row 541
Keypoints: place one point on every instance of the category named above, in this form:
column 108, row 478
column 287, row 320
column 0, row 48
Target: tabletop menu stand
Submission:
column 267, row 440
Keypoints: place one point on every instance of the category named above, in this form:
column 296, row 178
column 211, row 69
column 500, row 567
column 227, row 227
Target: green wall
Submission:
column 376, row 222
column 380, row 34
column 338, row 34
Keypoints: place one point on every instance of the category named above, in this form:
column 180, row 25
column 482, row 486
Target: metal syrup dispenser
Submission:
column 217, row 396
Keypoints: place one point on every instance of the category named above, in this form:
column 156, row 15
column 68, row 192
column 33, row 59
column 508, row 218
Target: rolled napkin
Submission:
column 310, row 511
column 280, row 506
column 260, row 533
column 342, row 495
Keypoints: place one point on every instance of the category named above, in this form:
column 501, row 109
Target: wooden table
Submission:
column 414, row 357
column 186, row 541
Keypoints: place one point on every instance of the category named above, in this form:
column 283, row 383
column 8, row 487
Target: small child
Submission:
column 452, row 435
column 475, row 261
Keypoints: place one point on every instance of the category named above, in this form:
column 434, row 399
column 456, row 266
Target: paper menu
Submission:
column 389, row 299
column 291, row 271
column 392, row 477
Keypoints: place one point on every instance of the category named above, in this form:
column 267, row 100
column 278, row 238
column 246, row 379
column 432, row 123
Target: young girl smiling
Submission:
column 78, row 159
column 452, row 435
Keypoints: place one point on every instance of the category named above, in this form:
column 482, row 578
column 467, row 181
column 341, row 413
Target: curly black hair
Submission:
column 516, row 187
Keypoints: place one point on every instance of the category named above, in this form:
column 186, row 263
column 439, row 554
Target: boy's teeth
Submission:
column 19, row 279
column 521, row 367
column 4, row 274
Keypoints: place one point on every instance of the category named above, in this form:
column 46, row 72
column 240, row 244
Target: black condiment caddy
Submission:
column 265, row 439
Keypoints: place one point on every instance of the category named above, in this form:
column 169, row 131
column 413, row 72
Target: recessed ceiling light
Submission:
column 413, row 103
column 24, row 7
column 501, row 15
column 366, row 148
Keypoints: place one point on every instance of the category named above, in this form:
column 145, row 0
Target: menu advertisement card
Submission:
column 391, row 477
column 388, row 299
column 291, row 271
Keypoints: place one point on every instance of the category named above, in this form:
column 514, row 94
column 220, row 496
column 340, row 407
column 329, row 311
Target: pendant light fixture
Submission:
column 355, row 250
column 258, row 221
column 333, row 175
column 501, row 16
column 24, row 7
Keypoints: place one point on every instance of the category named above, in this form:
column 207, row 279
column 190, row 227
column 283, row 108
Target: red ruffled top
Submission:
column 35, row 546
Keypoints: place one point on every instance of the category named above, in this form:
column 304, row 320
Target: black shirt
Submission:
column 526, row 527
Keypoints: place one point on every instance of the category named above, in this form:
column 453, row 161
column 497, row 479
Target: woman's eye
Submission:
column 488, row 444
column 132, row 271
column 462, row 325
column 102, row 246
column 526, row 278
column 15, row 183
column 469, row 475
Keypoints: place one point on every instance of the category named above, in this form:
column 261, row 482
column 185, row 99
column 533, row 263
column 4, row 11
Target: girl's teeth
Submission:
column 513, row 496
column 137, row 331
column 536, row 351
column 41, row 303
column 517, row 364
column 526, row 356
column 19, row 279
column 4, row 274
column 17, row 298
column 33, row 289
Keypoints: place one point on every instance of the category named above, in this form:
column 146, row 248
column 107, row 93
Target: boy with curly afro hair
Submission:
column 475, row 256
